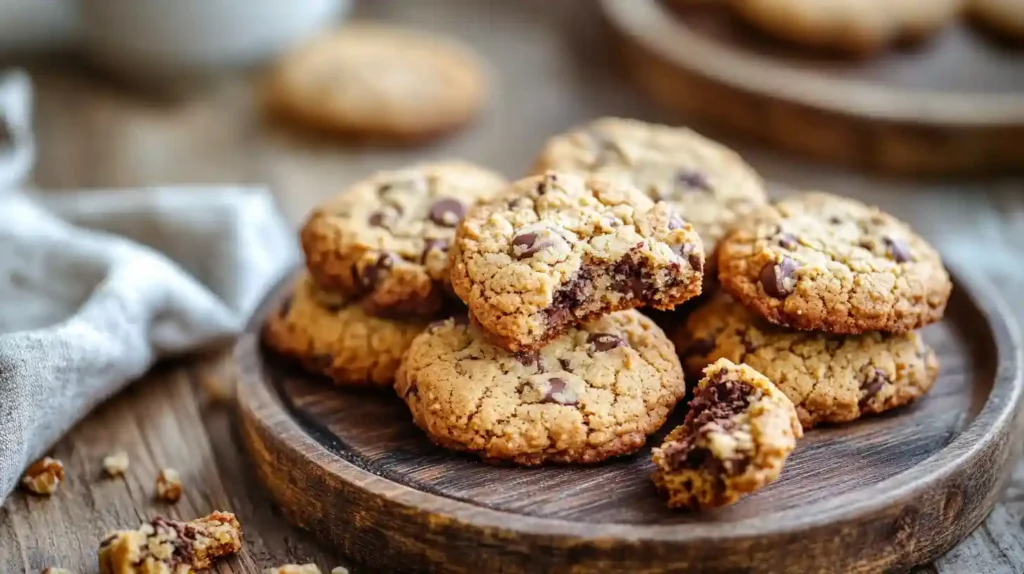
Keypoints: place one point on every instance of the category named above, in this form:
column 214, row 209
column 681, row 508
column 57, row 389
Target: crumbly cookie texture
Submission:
column 385, row 239
column 378, row 83
column 858, row 28
column 164, row 546
column 331, row 337
column 595, row 392
column 830, row 378
column 559, row 249
column 1003, row 17
column 736, row 437
column 820, row 262
column 708, row 184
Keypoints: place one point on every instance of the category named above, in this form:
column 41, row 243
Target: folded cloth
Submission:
column 95, row 286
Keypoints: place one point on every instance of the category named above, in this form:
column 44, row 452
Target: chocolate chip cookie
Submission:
column 858, row 28
column 830, row 378
column 736, row 437
column 595, row 392
column 708, row 184
column 379, row 83
column 333, row 337
column 559, row 249
column 385, row 239
column 1002, row 17
column 820, row 262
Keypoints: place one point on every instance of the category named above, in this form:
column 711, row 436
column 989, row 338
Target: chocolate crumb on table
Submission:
column 115, row 464
column 164, row 546
column 168, row 485
column 735, row 439
column 44, row 476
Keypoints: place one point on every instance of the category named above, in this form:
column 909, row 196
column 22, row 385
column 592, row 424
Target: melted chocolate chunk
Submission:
column 558, row 391
column 777, row 278
column 527, row 245
column 605, row 341
column 447, row 212
column 528, row 359
column 897, row 248
column 377, row 219
column 690, row 179
column 689, row 252
column 372, row 274
column 835, row 220
column 874, row 381
column 569, row 297
column 788, row 241
column 565, row 364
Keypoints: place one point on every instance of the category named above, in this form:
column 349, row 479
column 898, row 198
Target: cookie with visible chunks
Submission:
column 559, row 249
column 378, row 83
column 736, row 437
column 708, row 184
column 165, row 546
column 859, row 28
column 385, row 239
column 595, row 392
column 830, row 378
column 826, row 263
column 330, row 336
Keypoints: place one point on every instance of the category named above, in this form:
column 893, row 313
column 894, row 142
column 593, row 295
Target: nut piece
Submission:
column 293, row 569
column 168, row 485
column 115, row 464
column 44, row 476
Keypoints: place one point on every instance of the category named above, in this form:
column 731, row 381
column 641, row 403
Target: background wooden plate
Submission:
column 954, row 104
column 884, row 493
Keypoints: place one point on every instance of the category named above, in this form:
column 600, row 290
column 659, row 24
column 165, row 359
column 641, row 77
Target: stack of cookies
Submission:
column 506, row 315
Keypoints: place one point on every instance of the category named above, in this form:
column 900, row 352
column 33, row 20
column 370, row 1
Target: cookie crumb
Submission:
column 164, row 545
column 168, row 485
column 115, row 464
column 54, row 570
column 294, row 569
column 44, row 476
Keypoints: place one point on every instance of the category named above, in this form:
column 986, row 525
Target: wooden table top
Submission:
column 552, row 67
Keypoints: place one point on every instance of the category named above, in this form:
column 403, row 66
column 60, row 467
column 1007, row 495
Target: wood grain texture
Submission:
column 553, row 64
column 953, row 105
column 884, row 493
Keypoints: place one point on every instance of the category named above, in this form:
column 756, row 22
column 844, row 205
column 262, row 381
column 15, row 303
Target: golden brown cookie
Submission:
column 736, row 437
column 385, row 239
column 332, row 337
column 821, row 262
column 830, row 378
column 559, row 249
column 595, row 392
column 378, row 82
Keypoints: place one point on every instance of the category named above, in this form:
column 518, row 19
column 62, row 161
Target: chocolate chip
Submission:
column 565, row 364
column 528, row 358
column 748, row 345
column 699, row 348
column 372, row 274
column 432, row 245
column 692, row 180
column 527, row 245
column 874, row 381
column 689, row 251
column 788, row 241
column 558, row 391
column 447, row 212
column 897, row 248
column 377, row 219
column 777, row 278
column 605, row 341
column 835, row 220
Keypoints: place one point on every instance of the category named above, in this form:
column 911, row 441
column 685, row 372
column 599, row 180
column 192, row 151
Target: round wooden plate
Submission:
column 883, row 493
column 954, row 104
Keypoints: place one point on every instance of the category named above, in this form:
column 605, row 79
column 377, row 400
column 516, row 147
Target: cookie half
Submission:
column 595, row 392
column 379, row 83
column 708, row 184
column 385, row 239
column 332, row 337
column 830, row 378
column 736, row 437
column 821, row 262
column 860, row 28
column 559, row 249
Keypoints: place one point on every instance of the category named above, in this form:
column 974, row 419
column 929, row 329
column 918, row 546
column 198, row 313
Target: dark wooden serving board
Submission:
column 882, row 494
column 950, row 105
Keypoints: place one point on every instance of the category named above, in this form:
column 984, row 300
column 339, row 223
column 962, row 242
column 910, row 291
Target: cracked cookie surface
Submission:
column 708, row 184
column 378, row 83
column 862, row 27
column 821, row 262
column 558, row 249
column 340, row 340
column 165, row 546
column 736, row 437
column 385, row 239
column 595, row 392
column 830, row 378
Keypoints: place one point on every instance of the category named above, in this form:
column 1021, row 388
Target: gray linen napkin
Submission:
column 95, row 286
